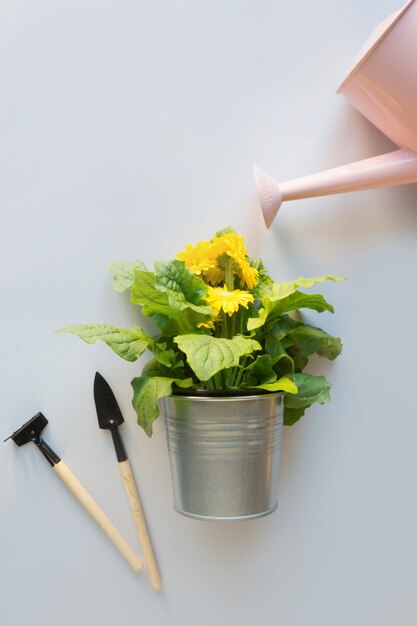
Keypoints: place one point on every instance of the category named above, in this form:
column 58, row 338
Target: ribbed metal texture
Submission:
column 224, row 454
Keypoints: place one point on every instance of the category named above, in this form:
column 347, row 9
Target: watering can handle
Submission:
column 88, row 502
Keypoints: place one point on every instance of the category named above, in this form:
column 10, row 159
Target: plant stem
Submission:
column 241, row 372
column 236, row 370
column 225, row 329
column 230, row 283
column 239, row 378
column 218, row 383
column 231, row 375
column 232, row 325
column 238, row 321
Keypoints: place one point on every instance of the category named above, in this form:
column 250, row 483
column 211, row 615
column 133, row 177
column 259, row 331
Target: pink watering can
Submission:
column 383, row 87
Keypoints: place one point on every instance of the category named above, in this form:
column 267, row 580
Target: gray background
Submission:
column 129, row 129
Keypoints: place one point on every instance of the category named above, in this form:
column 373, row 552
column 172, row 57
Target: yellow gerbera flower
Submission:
column 233, row 246
column 210, row 259
column 221, row 299
column 249, row 275
column 198, row 258
column 215, row 275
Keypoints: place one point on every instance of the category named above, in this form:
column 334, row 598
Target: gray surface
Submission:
column 127, row 130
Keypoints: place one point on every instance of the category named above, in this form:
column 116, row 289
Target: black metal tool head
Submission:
column 30, row 431
column 108, row 412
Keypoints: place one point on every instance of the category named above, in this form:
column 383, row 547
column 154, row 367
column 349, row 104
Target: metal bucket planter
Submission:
column 224, row 454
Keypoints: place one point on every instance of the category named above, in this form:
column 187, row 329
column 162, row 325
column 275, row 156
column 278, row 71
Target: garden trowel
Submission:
column 110, row 418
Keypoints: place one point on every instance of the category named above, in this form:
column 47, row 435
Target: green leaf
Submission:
column 162, row 353
column 262, row 369
column 145, row 293
column 265, row 282
column 282, row 361
column 282, row 384
column 281, row 328
column 124, row 273
column 153, row 367
column 207, row 355
column 300, row 300
column 274, row 346
column 299, row 360
column 156, row 304
column 291, row 416
column 289, row 298
column 127, row 343
column 283, row 290
column 146, row 393
column 271, row 310
column 310, row 340
column 260, row 319
column 310, row 389
column 183, row 287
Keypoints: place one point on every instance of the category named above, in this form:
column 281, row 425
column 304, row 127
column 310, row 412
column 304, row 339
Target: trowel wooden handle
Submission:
column 140, row 523
column 81, row 493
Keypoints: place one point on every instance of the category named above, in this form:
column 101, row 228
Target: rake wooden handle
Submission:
column 140, row 523
column 82, row 495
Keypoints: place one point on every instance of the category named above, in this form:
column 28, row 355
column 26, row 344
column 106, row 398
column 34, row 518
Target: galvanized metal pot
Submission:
column 224, row 454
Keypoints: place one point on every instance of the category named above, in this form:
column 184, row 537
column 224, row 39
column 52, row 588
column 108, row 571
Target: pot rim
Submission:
column 217, row 395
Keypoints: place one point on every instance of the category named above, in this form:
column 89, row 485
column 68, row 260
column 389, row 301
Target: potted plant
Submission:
column 227, row 369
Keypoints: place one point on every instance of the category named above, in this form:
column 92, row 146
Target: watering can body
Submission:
column 383, row 87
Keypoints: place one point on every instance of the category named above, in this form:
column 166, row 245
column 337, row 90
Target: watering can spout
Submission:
column 394, row 168
column 269, row 195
